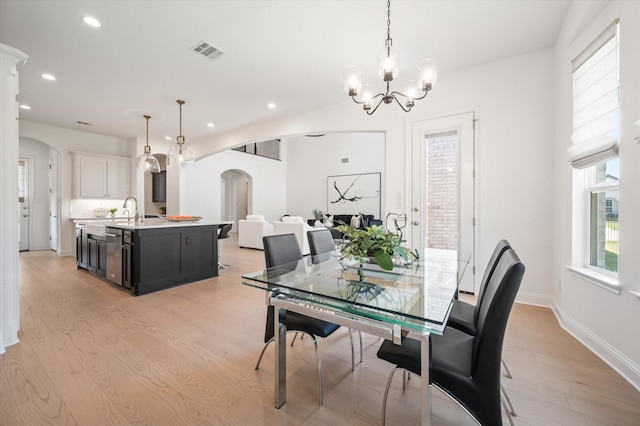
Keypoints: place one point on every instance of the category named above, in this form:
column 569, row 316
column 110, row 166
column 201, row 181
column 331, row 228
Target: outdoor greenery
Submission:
column 373, row 242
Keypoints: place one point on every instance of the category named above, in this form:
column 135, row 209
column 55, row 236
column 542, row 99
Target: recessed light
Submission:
column 25, row 107
column 48, row 77
column 271, row 105
column 210, row 125
column 93, row 22
column 168, row 138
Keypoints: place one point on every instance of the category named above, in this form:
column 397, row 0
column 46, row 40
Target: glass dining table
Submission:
column 412, row 299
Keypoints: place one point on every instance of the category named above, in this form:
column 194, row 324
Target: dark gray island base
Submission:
column 160, row 255
column 166, row 257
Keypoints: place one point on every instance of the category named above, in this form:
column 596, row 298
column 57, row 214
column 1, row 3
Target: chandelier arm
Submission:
column 374, row 110
column 395, row 92
column 370, row 99
column 401, row 106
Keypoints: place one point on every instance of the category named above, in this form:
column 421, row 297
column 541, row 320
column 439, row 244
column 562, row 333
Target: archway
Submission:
column 236, row 194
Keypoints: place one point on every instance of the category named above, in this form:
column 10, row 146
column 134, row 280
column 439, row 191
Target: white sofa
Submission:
column 251, row 230
column 295, row 225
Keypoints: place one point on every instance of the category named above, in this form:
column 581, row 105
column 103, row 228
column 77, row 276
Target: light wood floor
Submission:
column 91, row 354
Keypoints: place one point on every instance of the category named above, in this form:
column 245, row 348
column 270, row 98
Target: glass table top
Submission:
column 416, row 296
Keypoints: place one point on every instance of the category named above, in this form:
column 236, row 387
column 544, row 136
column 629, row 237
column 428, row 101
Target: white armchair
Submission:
column 295, row 225
column 251, row 230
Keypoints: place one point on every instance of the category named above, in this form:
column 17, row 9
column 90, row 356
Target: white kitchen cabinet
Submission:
column 100, row 176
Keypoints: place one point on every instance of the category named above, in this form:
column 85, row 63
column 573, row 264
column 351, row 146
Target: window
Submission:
column 595, row 148
column 602, row 188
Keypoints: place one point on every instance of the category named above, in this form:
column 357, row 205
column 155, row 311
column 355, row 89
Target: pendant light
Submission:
column 180, row 154
column 147, row 162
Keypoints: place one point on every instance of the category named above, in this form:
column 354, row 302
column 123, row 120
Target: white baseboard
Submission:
column 628, row 369
column 66, row 253
column 534, row 299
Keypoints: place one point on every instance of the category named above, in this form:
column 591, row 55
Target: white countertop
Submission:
column 149, row 223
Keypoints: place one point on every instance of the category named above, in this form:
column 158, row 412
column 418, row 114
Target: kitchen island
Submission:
column 148, row 256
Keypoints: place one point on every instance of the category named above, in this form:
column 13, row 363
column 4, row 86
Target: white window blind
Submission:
column 595, row 101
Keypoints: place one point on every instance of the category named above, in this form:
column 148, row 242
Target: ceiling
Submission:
column 291, row 53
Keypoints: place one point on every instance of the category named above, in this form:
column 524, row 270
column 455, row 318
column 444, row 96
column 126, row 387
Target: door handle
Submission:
column 415, row 223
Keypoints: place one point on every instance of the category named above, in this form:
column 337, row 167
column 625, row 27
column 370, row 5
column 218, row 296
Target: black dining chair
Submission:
column 465, row 367
column 222, row 234
column 464, row 316
column 321, row 246
column 283, row 250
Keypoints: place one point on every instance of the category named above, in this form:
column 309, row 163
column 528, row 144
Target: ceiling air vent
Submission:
column 207, row 50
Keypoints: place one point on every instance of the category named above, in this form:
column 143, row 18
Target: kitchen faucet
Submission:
column 136, row 218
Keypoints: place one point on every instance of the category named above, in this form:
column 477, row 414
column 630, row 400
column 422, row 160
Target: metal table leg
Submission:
column 280, row 370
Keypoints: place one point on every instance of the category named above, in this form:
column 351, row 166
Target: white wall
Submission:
column 38, row 154
column 604, row 321
column 202, row 185
column 311, row 160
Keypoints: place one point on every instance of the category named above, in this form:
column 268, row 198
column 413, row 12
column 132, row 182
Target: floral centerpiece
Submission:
column 374, row 243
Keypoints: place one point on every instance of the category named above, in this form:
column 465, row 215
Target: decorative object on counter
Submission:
column 413, row 91
column 147, row 162
column 183, row 218
column 163, row 210
column 100, row 211
column 180, row 154
column 317, row 214
column 113, row 212
column 365, row 245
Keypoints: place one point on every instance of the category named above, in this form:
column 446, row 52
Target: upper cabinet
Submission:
column 100, row 176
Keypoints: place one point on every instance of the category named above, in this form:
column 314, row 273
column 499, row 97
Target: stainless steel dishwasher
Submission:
column 114, row 255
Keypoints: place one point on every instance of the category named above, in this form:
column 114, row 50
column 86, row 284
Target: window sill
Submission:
column 603, row 281
column 635, row 293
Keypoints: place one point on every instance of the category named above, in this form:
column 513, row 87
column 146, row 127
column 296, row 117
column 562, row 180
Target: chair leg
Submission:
column 386, row 393
column 294, row 339
column 262, row 353
column 506, row 369
column 511, row 410
column 507, row 411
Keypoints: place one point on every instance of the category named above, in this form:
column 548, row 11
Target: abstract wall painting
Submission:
column 352, row 194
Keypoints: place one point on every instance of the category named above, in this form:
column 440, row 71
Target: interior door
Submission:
column 443, row 187
column 23, row 203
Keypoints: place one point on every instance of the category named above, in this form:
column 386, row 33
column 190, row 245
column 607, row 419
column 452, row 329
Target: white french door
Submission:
column 442, row 193
column 53, row 200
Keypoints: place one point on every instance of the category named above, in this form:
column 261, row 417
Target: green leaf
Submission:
column 383, row 260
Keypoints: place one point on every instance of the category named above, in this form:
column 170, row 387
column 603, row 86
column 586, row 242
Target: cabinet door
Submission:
column 92, row 177
column 81, row 248
column 92, row 255
column 118, row 178
column 101, row 258
column 160, row 187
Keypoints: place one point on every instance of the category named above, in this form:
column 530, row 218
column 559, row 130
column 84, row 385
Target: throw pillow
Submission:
column 355, row 221
column 328, row 221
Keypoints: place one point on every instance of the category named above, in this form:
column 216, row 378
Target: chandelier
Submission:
column 180, row 154
column 147, row 162
column 388, row 61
